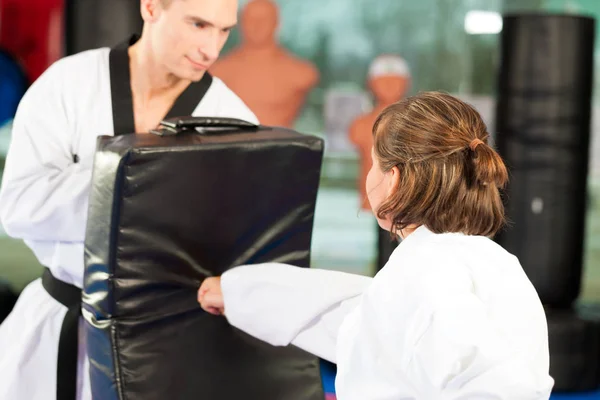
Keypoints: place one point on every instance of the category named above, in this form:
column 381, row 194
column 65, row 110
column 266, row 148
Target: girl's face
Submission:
column 379, row 186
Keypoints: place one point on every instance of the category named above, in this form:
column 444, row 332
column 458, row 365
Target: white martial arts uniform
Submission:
column 44, row 200
column 449, row 317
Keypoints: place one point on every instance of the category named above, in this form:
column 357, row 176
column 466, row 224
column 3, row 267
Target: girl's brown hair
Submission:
column 450, row 178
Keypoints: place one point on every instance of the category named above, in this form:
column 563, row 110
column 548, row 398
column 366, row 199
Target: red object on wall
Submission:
column 32, row 31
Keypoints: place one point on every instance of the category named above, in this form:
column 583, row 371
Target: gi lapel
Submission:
column 122, row 98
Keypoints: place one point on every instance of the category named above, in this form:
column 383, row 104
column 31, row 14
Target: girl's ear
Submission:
column 393, row 181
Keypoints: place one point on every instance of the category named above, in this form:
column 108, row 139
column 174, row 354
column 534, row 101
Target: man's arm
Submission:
column 44, row 191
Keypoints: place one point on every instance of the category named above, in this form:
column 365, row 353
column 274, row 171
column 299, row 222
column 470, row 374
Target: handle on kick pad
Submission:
column 202, row 125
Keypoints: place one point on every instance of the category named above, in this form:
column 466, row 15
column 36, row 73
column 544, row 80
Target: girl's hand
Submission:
column 210, row 296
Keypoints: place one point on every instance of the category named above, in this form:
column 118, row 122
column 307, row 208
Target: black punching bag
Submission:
column 92, row 24
column 8, row 299
column 165, row 213
column 543, row 134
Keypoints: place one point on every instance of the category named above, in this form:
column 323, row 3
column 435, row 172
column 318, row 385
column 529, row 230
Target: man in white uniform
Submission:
column 44, row 193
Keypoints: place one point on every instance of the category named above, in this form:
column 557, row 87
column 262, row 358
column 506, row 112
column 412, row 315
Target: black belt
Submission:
column 68, row 344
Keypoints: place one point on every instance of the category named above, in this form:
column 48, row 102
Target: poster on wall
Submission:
column 341, row 107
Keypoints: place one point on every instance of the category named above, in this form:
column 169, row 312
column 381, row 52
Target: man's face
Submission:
column 188, row 35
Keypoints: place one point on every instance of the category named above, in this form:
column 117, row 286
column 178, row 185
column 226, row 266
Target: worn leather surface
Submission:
column 167, row 211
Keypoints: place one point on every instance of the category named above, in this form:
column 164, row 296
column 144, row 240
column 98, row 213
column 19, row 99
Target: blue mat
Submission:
column 328, row 374
column 576, row 396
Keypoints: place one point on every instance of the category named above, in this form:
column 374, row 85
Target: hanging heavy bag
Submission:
column 574, row 340
column 191, row 200
column 543, row 132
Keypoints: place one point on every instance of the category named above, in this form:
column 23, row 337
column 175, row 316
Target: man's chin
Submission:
column 193, row 76
column 198, row 77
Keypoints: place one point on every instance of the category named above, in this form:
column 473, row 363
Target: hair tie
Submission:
column 474, row 143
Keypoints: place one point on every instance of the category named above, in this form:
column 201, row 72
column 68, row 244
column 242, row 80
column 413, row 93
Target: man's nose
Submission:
column 209, row 47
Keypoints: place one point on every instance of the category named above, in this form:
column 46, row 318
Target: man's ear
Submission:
column 150, row 9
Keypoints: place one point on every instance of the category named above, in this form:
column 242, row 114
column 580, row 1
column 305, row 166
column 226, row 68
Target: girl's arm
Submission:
column 282, row 304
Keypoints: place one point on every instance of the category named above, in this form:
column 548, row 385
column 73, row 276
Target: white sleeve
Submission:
column 282, row 304
column 44, row 192
column 319, row 337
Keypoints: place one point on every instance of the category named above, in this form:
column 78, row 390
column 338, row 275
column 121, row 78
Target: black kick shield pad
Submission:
column 169, row 209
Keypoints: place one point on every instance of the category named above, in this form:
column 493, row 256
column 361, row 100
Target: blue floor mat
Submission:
column 328, row 375
column 576, row 396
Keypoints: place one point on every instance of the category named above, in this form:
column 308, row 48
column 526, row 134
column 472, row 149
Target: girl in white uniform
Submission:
column 452, row 315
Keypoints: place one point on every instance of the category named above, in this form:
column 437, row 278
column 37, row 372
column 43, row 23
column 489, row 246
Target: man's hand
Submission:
column 210, row 296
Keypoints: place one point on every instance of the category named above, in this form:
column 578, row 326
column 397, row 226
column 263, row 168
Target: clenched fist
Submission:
column 210, row 296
